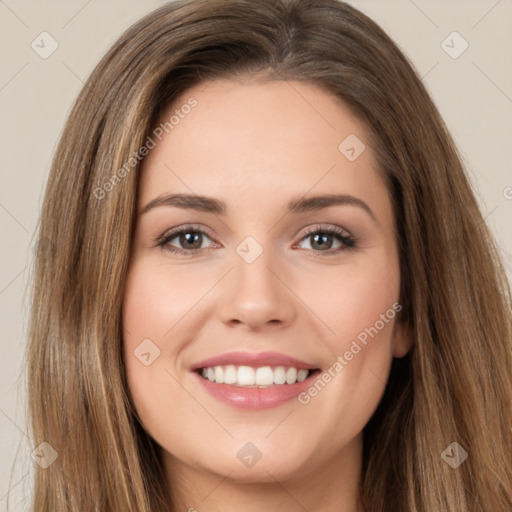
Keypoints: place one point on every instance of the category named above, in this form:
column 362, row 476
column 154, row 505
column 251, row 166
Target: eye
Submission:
column 190, row 239
column 323, row 239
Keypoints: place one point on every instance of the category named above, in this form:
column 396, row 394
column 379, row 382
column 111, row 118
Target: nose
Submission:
column 257, row 295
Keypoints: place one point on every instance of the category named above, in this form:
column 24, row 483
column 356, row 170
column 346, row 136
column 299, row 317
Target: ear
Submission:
column 401, row 339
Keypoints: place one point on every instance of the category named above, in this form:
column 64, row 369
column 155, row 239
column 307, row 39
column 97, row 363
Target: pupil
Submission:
column 191, row 238
column 321, row 240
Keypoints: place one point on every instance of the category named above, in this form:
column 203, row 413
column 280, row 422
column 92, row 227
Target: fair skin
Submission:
column 255, row 146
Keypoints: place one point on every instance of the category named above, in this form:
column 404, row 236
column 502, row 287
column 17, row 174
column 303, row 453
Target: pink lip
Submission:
column 254, row 360
column 254, row 398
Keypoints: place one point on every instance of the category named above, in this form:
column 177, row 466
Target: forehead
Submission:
column 257, row 142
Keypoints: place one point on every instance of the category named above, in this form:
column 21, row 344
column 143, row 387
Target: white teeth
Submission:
column 248, row 376
column 302, row 375
column 264, row 376
column 219, row 374
column 245, row 376
column 230, row 374
column 291, row 375
column 279, row 375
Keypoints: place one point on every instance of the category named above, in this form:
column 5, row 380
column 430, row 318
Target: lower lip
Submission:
column 255, row 398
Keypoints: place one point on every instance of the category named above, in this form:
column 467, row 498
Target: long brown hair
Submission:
column 454, row 385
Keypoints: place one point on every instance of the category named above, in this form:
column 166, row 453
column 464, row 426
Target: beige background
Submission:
column 473, row 93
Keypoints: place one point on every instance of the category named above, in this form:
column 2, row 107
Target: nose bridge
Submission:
column 256, row 295
column 252, row 267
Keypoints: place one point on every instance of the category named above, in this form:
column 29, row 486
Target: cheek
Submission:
column 359, row 307
column 356, row 303
column 151, row 308
column 158, row 302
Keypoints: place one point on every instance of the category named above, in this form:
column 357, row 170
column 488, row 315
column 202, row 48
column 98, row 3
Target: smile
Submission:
column 248, row 380
column 260, row 377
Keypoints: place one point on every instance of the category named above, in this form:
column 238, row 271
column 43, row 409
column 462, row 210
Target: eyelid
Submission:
column 190, row 227
column 327, row 228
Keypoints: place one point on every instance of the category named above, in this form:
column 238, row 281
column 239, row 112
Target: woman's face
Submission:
column 285, row 303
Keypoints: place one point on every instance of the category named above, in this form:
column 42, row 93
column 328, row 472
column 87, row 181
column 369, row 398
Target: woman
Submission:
column 338, row 334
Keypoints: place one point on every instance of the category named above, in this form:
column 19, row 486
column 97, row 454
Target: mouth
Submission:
column 254, row 381
column 256, row 377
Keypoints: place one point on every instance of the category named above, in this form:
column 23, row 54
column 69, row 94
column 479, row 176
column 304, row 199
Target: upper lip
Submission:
column 253, row 359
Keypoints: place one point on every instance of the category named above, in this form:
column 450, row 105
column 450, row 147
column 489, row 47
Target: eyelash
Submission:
column 348, row 241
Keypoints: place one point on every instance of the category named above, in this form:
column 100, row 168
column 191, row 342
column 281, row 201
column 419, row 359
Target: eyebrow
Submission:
column 217, row 207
